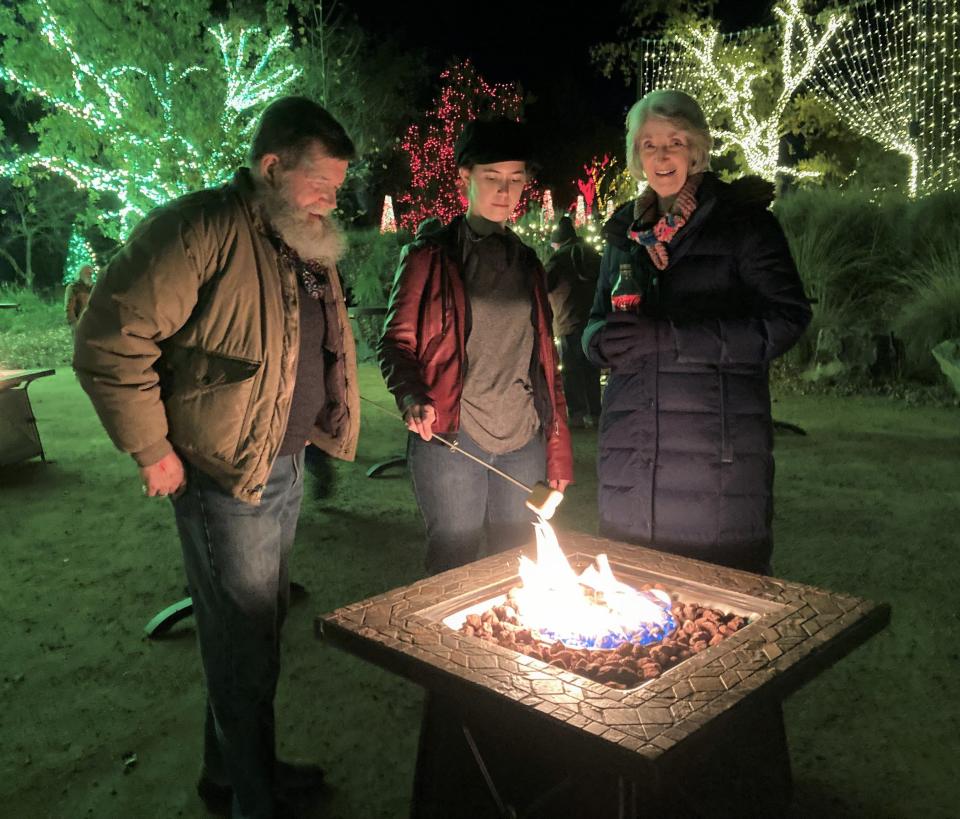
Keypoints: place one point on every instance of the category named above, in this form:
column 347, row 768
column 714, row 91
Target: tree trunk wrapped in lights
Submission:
column 547, row 204
column 724, row 73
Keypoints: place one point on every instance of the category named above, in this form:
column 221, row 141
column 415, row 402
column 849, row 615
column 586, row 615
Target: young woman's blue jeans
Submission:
column 462, row 502
column 236, row 557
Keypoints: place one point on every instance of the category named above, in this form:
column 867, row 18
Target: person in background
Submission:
column 215, row 346
column 77, row 295
column 467, row 351
column 572, row 281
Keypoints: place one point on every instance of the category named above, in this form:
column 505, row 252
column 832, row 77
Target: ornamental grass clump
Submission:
column 930, row 308
column 34, row 335
column 841, row 245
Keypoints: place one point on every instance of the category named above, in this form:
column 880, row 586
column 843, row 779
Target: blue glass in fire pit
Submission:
column 647, row 633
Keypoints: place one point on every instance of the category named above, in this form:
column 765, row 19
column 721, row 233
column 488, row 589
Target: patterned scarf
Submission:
column 312, row 273
column 656, row 237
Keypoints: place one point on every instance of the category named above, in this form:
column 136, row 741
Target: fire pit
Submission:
column 646, row 732
column 598, row 626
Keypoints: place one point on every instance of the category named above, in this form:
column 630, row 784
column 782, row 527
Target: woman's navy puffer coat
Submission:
column 685, row 453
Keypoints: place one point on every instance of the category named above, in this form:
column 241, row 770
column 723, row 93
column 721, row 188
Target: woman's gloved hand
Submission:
column 625, row 338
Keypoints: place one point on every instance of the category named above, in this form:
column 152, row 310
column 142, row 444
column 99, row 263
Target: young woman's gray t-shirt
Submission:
column 497, row 409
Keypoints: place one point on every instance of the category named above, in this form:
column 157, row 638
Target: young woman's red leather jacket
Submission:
column 423, row 347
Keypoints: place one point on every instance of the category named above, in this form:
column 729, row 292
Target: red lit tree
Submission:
column 464, row 95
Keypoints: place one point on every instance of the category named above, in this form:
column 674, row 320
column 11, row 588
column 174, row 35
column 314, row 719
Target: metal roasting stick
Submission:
column 543, row 499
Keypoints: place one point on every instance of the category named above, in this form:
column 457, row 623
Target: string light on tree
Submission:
column 547, row 211
column 388, row 223
column 894, row 76
column 605, row 185
column 721, row 72
column 247, row 89
column 79, row 255
column 592, row 235
column 144, row 155
column 464, row 95
column 580, row 214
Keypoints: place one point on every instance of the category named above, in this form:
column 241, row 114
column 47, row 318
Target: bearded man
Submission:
column 215, row 347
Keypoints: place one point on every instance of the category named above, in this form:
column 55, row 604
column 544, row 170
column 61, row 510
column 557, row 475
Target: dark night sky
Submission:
column 575, row 113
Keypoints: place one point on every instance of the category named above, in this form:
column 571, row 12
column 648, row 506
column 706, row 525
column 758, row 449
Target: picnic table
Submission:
column 19, row 436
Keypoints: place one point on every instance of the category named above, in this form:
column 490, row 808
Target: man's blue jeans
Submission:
column 235, row 556
column 461, row 501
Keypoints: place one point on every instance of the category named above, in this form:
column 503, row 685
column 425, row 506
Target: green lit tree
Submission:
column 80, row 254
column 133, row 135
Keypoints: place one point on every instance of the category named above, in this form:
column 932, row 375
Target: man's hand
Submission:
column 420, row 418
column 165, row 477
column 559, row 483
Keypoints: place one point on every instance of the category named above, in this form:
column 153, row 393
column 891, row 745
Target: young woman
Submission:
column 468, row 353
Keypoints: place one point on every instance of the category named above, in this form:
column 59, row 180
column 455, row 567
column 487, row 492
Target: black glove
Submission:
column 626, row 337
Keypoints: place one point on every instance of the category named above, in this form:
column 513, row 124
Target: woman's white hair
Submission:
column 684, row 113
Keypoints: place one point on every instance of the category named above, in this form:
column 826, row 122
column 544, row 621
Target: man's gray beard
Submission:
column 313, row 239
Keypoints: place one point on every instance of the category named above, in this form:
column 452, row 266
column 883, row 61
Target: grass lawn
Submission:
column 868, row 503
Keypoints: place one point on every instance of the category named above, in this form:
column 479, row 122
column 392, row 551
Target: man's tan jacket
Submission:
column 191, row 337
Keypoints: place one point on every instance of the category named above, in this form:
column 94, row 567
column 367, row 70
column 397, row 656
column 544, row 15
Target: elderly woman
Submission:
column 467, row 352
column 685, row 460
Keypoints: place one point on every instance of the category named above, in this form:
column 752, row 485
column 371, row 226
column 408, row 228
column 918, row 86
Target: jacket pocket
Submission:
column 189, row 369
column 210, row 402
